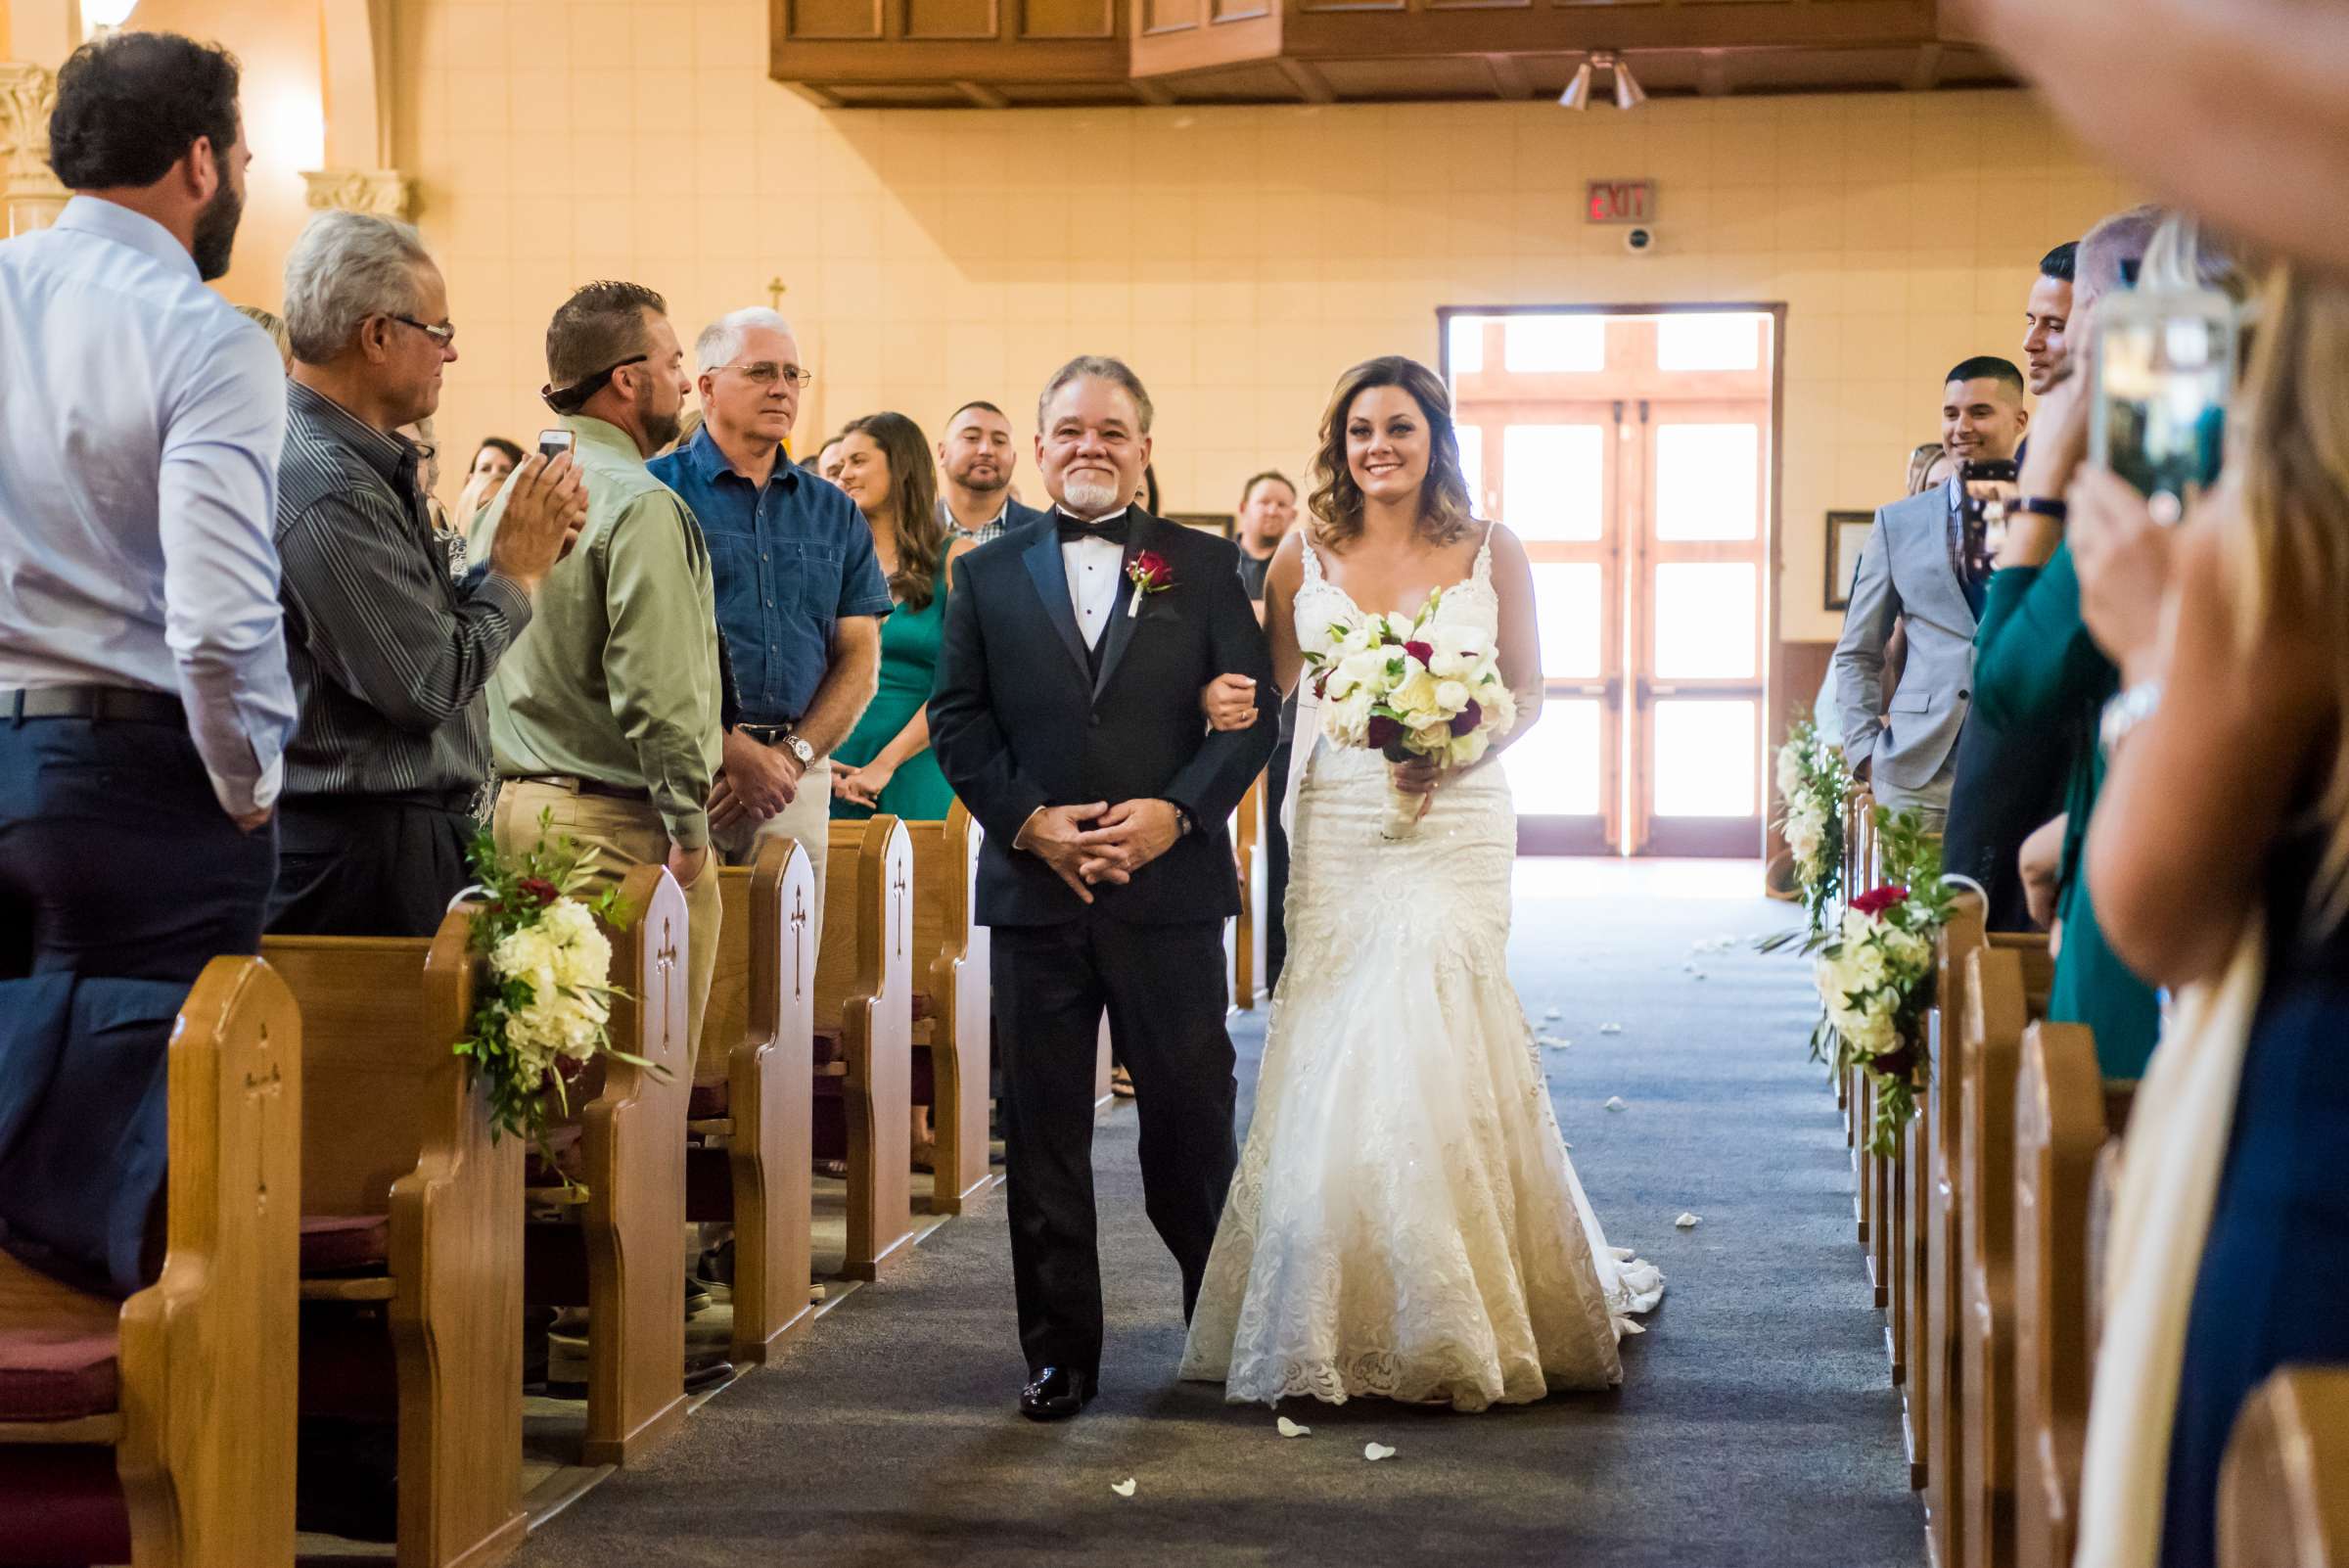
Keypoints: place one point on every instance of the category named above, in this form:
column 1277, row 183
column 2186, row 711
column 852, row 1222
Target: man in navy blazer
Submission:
column 1067, row 718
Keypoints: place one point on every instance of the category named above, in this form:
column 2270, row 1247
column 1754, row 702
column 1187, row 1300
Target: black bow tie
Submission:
column 1115, row 529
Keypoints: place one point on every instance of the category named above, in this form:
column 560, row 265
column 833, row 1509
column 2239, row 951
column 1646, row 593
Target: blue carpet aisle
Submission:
column 1756, row 1425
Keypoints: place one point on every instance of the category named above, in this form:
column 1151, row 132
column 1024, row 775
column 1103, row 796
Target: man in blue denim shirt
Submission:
column 800, row 593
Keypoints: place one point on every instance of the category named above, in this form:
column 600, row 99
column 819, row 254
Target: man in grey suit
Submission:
column 1911, row 570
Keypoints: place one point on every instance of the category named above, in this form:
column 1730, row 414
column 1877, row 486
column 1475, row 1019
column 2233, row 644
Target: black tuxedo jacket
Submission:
column 1019, row 721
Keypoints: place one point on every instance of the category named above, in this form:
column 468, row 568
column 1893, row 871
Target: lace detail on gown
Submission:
column 1406, row 1221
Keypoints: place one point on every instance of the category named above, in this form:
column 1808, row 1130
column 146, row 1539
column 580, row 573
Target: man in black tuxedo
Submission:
column 1067, row 718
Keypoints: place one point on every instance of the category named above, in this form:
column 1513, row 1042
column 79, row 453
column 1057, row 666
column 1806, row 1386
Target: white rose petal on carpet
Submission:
column 1290, row 1429
column 1610, row 1029
column 1375, row 1451
column 1686, row 1222
column 1123, row 1489
column 1615, row 1102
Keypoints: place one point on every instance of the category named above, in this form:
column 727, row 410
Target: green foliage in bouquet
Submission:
column 1816, row 787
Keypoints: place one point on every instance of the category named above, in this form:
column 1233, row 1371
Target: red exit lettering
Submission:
column 1621, row 201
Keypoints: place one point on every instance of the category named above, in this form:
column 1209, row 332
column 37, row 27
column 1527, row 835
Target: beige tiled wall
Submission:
column 1240, row 258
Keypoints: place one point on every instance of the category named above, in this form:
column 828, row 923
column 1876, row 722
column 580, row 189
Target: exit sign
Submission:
column 1621, row 201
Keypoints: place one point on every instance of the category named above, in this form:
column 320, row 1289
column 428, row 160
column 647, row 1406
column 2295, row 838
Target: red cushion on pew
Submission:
column 57, row 1374
column 62, row 1503
column 710, row 1101
column 923, row 1007
column 828, row 1047
column 334, row 1243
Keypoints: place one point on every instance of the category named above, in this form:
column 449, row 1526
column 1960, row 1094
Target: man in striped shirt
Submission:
column 389, row 657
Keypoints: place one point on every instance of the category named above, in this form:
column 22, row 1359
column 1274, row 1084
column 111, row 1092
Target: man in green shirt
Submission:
column 605, row 712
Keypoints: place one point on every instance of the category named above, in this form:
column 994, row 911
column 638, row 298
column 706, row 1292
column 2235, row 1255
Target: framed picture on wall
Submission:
column 1847, row 536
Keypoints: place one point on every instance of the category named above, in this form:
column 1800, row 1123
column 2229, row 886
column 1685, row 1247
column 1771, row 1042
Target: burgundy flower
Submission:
column 1898, row 1062
column 1419, row 651
column 1464, row 722
column 541, row 889
column 1150, row 573
column 1875, row 901
column 1383, row 732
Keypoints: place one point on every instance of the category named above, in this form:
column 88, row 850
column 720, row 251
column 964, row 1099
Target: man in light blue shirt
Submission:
column 144, row 695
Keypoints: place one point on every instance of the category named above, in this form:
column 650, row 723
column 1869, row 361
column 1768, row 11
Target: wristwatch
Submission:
column 798, row 748
column 2039, row 505
column 1182, row 820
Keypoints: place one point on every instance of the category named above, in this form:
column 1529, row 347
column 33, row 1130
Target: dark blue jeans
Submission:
column 115, row 857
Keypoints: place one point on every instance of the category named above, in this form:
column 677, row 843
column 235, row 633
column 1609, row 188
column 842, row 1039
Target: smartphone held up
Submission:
column 2164, row 370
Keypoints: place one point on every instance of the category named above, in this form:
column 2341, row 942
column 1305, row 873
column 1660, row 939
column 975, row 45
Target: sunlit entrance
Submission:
column 1632, row 453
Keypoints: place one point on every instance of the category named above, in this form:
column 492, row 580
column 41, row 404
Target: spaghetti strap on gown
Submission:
column 1406, row 1221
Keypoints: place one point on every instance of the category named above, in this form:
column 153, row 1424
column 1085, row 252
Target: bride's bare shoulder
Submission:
column 1288, row 563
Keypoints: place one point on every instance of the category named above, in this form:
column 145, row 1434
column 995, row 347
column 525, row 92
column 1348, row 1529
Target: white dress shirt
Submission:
column 1093, row 567
column 140, row 425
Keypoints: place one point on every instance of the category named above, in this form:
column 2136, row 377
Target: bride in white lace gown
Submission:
column 1406, row 1221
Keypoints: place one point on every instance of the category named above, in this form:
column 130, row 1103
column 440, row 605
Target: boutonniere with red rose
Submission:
column 1149, row 573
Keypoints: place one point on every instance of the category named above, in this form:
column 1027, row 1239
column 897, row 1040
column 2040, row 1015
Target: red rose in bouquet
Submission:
column 1875, row 901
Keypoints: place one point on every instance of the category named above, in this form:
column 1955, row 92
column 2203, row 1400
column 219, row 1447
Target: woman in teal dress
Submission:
column 886, row 764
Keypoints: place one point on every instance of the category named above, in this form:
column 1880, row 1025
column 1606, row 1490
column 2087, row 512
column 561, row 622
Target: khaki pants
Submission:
column 807, row 819
column 622, row 835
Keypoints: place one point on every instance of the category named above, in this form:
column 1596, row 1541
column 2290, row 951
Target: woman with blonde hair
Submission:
column 2220, row 864
column 1405, row 1223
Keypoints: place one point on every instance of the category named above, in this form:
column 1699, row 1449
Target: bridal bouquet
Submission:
column 1408, row 690
column 547, row 1007
column 1877, row 976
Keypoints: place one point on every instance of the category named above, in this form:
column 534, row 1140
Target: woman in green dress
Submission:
column 886, row 763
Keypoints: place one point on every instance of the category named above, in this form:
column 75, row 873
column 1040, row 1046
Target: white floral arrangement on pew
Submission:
column 1816, row 788
column 1875, row 975
column 1412, row 689
column 547, row 1010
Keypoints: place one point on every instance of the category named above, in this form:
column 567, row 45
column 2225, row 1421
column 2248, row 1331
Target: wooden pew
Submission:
column 2283, row 1486
column 950, row 1040
column 393, row 1126
column 622, row 1252
column 1934, row 1368
column 750, row 1112
column 1858, row 876
column 1245, row 938
column 166, row 1434
column 2061, row 1128
column 2003, row 994
column 864, row 1028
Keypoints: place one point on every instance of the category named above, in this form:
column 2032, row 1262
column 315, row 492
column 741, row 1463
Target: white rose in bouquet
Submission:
column 1365, row 668
column 1457, row 650
column 1790, row 772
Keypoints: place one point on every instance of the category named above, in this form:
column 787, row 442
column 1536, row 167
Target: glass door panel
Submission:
column 1705, row 759
column 1569, row 610
column 1708, row 481
column 1704, row 617
column 1556, row 770
column 1553, row 483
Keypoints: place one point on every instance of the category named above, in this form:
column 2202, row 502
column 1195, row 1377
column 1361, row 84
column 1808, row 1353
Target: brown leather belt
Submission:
column 122, row 703
column 591, row 786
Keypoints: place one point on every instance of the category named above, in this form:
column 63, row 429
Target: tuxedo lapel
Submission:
column 1121, row 614
column 1050, row 575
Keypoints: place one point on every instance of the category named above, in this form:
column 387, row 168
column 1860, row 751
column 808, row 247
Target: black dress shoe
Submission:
column 1056, row 1394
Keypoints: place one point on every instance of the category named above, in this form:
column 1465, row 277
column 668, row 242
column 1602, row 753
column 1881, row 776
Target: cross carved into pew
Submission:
column 951, row 1033
column 752, row 1107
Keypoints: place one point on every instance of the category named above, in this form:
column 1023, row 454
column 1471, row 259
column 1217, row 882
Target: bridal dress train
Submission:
column 1406, row 1221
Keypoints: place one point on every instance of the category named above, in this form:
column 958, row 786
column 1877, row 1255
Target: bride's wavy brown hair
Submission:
column 1446, row 512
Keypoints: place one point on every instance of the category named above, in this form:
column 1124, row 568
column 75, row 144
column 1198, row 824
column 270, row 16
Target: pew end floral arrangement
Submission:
column 545, row 1009
column 1412, row 689
column 1875, row 975
column 1816, row 788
